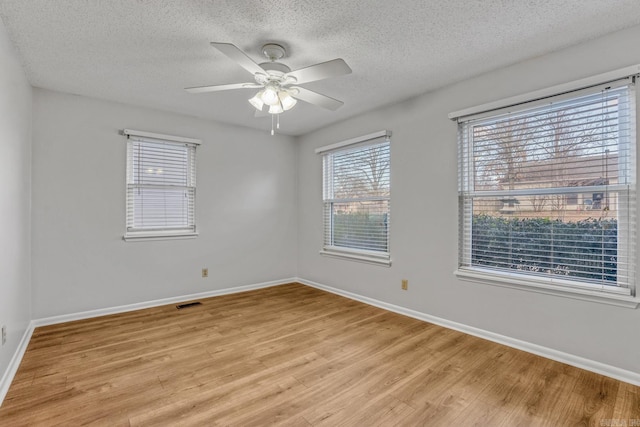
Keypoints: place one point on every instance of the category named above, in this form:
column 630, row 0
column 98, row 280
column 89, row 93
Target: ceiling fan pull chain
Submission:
column 278, row 121
column 272, row 131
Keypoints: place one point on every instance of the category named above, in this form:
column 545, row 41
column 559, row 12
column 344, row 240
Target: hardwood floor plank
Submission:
column 627, row 402
column 292, row 355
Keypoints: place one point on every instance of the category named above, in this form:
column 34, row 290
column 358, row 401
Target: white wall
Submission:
column 424, row 215
column 246, row 208
column 15, row 197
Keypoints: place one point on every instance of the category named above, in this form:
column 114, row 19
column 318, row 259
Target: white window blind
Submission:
column 161, row 186
column 547, row 190
column 356, row 196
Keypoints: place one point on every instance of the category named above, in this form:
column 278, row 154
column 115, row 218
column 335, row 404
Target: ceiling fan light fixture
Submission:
column 270, row 95
column 256, row 101
column 276, row 109
column 287, row 101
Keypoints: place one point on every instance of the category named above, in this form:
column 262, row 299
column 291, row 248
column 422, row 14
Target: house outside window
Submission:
column 547, row 192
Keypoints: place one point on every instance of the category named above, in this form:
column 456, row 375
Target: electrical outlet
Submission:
column 4, row 334
column 205, row 272
column 405, row 284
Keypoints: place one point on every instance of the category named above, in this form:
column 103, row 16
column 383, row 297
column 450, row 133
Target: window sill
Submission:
column 383, row 260
column 509, row 281
column 139, row 237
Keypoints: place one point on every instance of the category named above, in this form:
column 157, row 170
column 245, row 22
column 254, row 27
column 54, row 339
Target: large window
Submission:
column 546, row 192
column 161, row 186
column 356, row 196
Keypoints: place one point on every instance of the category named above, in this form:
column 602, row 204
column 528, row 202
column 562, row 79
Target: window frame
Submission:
column 349, row 253
column 159, row 233
column 625, row 297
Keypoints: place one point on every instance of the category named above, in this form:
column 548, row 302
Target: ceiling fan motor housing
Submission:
column 278, row 67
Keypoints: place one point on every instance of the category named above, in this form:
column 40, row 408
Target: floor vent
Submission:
column 187, row 305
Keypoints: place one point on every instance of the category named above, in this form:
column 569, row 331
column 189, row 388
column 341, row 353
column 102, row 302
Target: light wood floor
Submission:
column 294, row 355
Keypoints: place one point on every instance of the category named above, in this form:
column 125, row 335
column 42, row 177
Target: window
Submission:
column 546, row 193
column 161, row 186
column 356, row 197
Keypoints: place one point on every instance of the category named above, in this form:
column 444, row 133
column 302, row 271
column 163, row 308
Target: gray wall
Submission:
column 246, row 208
column 424, row 215
column 15, row 197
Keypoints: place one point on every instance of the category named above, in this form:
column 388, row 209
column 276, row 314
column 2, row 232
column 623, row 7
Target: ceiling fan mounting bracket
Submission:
column 273, row 51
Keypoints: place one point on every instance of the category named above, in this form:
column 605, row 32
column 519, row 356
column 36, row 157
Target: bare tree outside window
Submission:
column 548, row 171
column 360, row 192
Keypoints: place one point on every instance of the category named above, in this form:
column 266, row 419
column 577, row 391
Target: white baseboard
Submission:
column 5, row 382
column 559, row 356
column 155, row 303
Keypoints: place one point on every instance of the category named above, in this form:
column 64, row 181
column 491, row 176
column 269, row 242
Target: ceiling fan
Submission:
column 278, row 85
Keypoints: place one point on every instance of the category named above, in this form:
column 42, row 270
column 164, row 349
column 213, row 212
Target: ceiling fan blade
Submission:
column 316, row 98
column 239, row 56
column 324, row 70
column 217, row 88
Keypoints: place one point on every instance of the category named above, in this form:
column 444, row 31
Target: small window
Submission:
column 547, row 194
column 356, row 197
column 572, row 199
column 161, row 186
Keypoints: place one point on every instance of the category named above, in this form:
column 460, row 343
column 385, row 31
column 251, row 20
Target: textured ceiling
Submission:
column 144, row 52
